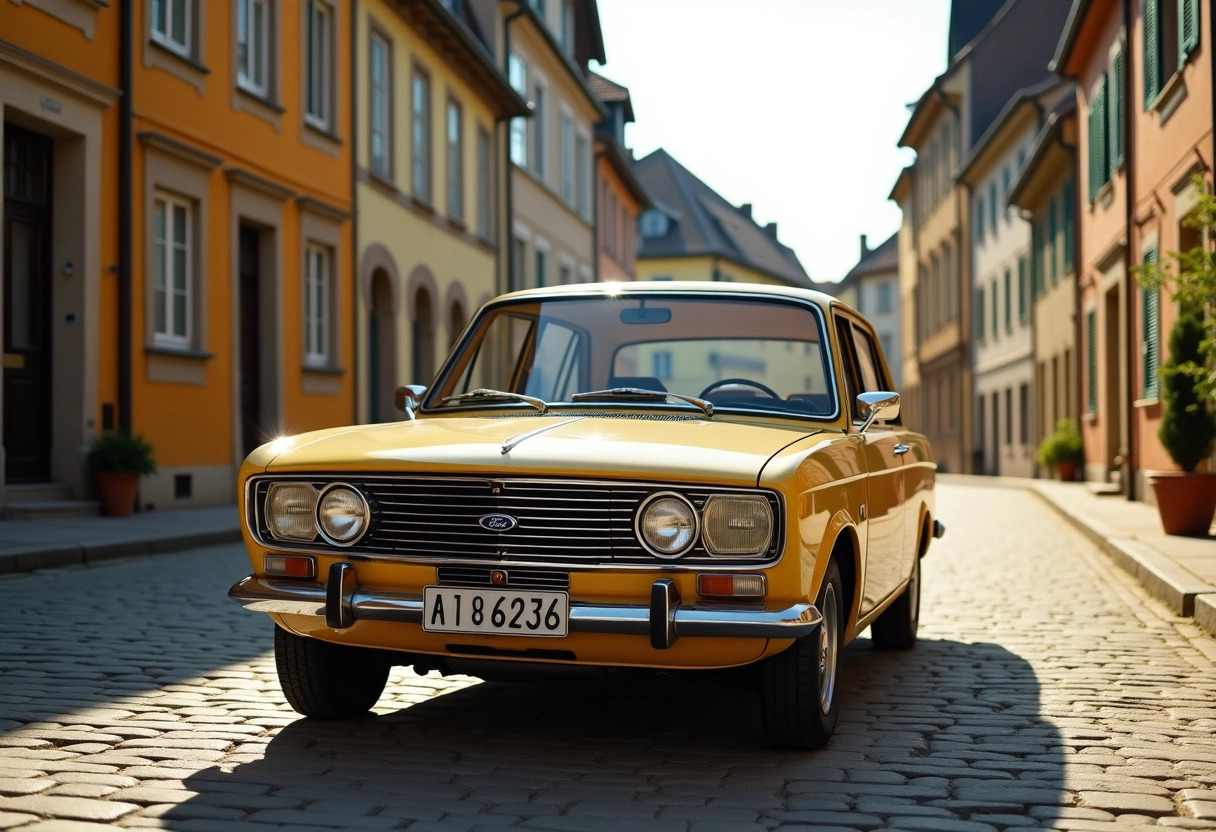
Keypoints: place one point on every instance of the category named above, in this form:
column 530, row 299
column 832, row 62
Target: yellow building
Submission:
column 201, row 246
column 692, row 233
column 429, row 163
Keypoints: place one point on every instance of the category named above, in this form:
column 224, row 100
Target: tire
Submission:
column 895, row 628
column 328, row 681
column 799, row 686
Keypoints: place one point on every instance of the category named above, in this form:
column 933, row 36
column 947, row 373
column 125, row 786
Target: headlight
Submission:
column 667, row 525
column 342, row 514
column 737, row 525
column 291, row 511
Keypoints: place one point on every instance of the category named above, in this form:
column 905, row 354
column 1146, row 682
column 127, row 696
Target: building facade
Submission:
column 431, row 135
column 872, row 288
column 620, row 197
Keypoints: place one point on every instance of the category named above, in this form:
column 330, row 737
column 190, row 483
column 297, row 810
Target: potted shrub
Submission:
column 1061, row 451
column 117, row 461
column 1186, row 500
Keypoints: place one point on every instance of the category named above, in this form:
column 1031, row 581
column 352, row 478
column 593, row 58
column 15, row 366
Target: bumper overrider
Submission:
column 343, row 602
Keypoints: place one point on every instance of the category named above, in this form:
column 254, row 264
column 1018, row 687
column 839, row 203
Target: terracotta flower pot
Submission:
column 117, row 491
column 1066, row 471
column 1186, row 502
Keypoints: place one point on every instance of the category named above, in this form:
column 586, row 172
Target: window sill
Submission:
column 1152, row 401
column 1172, row 94
column 1105, row 195
column 422, row 204
column 382, row 180
column 178, row 352
column 458, row 224
column 324, row 369
column 323, row 131
column 186, row 59
column 260, row 99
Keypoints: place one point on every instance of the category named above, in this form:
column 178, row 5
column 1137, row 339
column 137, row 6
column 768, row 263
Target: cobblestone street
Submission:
column 1047, row 691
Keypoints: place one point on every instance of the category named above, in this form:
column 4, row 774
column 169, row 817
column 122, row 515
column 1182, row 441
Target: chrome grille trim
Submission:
column 563, row 523
column 479, row 576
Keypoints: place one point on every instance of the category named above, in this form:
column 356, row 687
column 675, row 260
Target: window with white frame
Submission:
column 566, row 35
column 172, row 277
column 538, row 131
column 253, row 46
column 319, row 64
column 421, row 134
column 568, row 168
column 317, row 289
column 381, row 95
column 455, row 159
column 171, row 24
column 517, row 75
column 884, row 297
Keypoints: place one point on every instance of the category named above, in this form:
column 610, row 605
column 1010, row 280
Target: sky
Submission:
column 792, row 105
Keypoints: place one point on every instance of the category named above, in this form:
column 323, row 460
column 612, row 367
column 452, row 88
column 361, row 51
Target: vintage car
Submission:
column 648, row 475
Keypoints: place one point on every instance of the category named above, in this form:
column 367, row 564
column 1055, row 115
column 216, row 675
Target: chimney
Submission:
column 746, row 210
column 865, row 249
column 771, row 230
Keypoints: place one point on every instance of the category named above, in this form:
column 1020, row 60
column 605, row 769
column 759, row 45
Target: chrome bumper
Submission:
column 343, row 602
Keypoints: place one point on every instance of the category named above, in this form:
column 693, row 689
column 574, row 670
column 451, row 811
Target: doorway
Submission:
column 27, row 305
column 382, row 351
column 249, row 259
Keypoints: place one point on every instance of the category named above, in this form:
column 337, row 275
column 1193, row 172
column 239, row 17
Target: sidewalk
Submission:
column 26, row 545
column 1179, row 571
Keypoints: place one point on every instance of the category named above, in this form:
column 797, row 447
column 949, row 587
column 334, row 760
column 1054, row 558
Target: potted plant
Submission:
column 118, row 460
column 1186, row 500
column 1062, row 451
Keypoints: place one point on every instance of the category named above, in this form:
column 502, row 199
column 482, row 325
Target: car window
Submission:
column 863, row 348
column 848, row 365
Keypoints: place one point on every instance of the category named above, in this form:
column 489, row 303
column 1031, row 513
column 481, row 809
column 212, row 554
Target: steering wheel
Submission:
column 745, row 382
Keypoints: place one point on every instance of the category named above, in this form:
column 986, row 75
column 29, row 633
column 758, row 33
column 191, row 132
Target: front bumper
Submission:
column 343, row 602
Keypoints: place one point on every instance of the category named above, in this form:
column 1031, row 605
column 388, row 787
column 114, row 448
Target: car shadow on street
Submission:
column 949, row 728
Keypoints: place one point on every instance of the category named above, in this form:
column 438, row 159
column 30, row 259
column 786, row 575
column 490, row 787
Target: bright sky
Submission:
column 792, row 105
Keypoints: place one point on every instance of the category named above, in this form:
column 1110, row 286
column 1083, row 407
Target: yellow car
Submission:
column 648, row 475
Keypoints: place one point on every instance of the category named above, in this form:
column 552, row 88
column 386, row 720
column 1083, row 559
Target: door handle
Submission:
column 902, row 449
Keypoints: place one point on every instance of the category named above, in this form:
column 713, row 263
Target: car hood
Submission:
column 655, row 446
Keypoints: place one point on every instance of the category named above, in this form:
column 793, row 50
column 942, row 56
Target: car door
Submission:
column 883, row 452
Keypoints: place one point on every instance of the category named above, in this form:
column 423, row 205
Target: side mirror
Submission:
column 409, row 398
column 882, row 405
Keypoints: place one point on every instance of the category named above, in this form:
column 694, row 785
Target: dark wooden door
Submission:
column 27, row 305
column 251, row 352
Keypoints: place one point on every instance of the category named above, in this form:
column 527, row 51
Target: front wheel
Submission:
column 328, row 681
column 799, row 686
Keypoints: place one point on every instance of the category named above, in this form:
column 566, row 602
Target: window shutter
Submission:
column 1116, row 109
column 1069, row 229
column 1052, row 241
column 1008, row 299
column 1092, row 153
column 1022, row 288
column 1150, row 344
column 1036, row 258
column 1152, row 53
column 1188, row 29
column 1091, row 362
column 979, row 312
column 1103, row 125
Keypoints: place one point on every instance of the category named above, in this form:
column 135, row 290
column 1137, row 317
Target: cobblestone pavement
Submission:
column 1048, row 691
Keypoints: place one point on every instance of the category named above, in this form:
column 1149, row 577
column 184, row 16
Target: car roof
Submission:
column 690, row 287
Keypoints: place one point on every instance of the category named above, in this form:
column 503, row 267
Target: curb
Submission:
column 30, row 558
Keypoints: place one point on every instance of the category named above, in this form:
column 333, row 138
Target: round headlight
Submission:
column 342, row 514
column 737, row 525
column 291, row 511
column 667, row 525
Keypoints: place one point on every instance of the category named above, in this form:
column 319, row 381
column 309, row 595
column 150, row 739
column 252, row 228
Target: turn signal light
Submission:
column 289, row 566
column 715, row 585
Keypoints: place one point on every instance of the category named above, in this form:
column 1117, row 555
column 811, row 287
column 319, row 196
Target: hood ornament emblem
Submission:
column 498, row 523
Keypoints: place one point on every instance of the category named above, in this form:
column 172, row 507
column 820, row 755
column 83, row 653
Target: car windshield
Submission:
column 735, row 353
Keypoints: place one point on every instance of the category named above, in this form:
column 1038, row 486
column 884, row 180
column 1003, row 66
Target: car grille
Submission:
column 559, row 521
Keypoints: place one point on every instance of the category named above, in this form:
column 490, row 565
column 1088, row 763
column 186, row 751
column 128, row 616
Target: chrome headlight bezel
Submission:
column 717, row 503
column 363, row 513
column 693, row 530
column 307, row 511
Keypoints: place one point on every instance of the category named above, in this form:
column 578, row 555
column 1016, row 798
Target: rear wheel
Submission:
column 799, row 686
column 328, row 681
column 895, row 628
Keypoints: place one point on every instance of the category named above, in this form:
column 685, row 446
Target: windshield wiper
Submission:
column 486, row 393
column 638, row 394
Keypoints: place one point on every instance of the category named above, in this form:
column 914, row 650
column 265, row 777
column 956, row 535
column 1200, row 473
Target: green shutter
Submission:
column 992, row 206
column 1091, row 362
column 1150, row 342
column 1036, row 257
column 1022, row 288
column 996, row 317
column 1008, row 299
column 1116, row 109
column 1069, row 226
column 1103, row 133
column 979, row 312
column 1188, row 29
column 1053, row 228
column 1152, row 53
column 979, row 219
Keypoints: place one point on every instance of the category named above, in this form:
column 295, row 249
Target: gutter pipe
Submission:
column 1129, row 282
column 126, row 220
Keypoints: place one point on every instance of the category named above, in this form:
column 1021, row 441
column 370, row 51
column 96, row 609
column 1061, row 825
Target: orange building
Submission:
column 209, row 305
column 620, row 197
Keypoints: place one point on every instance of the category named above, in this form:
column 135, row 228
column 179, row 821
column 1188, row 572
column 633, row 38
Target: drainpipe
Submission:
column 508, row 177
column 1129, row 282
column 126, row 220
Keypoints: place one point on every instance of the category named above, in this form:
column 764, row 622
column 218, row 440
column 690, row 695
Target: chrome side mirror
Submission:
column 881, row 405
column 409, row 398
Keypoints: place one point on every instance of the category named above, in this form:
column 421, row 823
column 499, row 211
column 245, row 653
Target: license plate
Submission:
column 495, row 611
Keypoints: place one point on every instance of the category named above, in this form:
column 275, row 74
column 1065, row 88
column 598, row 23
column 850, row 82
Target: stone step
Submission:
column 51, row 509
column 38, row 492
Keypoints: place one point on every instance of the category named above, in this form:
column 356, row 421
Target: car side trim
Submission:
column 349, row 603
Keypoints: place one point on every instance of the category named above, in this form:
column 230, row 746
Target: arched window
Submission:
column 422, row 347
